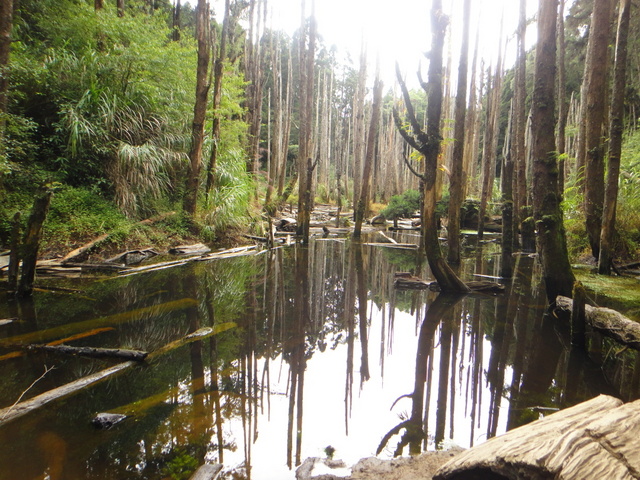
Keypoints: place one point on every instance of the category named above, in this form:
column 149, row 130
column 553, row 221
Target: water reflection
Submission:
column 324, row 352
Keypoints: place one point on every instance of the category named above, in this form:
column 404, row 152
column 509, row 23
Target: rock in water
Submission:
column 105, row 421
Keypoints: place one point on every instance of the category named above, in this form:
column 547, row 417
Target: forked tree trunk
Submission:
column 557, row 273
column 595, row 79
column 457, row 161
column 199, row 110
column 615, row 141
column 428, row 143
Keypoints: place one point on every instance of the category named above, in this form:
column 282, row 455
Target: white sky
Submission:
column 399, row 30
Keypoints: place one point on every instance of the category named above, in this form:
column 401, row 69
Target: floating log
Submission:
column 135, row 355
column 605, row 320
column 13, row 412
column 207, row 472
column 386, row 237
column 599, row 438
column 409, row 282
column 7, row 321
column 405, row 246
column 17, row 410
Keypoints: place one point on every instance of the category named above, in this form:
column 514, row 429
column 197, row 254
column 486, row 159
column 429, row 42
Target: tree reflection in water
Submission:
column 283, row 384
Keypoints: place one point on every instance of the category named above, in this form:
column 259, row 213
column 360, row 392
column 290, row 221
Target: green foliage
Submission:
column 402, row 205
column 181, row 466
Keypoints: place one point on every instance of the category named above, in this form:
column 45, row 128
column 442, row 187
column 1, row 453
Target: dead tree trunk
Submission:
column 120, row 7
column 31, row 243
column 563, row 104
column 175, row 34
column 428, row 143
column 521, row 197
column 456, row 188
column 615, row 141
column 363, row 198
column 14, row 257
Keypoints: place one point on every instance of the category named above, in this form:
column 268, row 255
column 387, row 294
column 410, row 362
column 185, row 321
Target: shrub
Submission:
column 403, row 205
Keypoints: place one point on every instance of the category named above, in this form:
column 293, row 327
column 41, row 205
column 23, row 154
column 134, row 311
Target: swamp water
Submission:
column 290, row 364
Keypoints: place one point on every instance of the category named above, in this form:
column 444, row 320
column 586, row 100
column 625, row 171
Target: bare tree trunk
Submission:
column 563, row 104
column 199, row 110
column 6, row 25
column 507, row 203
column 552, row 246
column 305, row 168
column 98, row 4
column 428, row 143
column 31, row 243
column 175, row 34
column 120, row 7
column 218, row 73
column 363, row 198
column 595, row 85
column 457, row 161
column 615, row 141
column 359, row 134
column 521, row 198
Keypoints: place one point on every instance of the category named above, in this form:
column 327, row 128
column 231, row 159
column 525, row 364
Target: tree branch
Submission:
column 417, row 130
column 413, row 170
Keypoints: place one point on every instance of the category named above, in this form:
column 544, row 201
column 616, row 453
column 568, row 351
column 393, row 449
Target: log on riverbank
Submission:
column 606, row 321
column 599, row 438
column 121, row 353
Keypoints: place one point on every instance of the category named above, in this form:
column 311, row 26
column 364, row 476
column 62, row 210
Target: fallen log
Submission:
column 195, row 249
column 407, row 281
column 13, row 412
column 17, row 410
column 132, row 257
column 7, row 321
column 135, row 355
column 605, row 320
column 599, row 438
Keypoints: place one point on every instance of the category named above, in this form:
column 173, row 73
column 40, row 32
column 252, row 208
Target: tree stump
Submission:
column 599, row 438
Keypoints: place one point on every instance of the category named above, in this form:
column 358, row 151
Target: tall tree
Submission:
column 594, row 108
column 305, row 151
column 428, row 144
column 363, row 198
column 199, row 110
column 521, row 198
column 563, row 104
column 615, row 140
column 456, row 188
column 175, row 34
column 557, row 273
column 6, row 25
column 218, row 71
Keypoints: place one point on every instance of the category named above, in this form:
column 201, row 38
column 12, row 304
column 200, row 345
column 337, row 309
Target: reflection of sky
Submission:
column 370, row 417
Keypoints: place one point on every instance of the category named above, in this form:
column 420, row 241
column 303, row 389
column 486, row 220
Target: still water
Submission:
column 302, row 348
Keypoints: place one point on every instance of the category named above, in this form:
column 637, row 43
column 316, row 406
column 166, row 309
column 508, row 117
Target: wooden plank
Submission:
column 584, row 441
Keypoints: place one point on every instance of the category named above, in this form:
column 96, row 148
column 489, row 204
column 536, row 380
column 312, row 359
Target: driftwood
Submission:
column 16, row 411
column 599, row 438
column 605, row 320
column 7, row 321
column 123, row 354
column 31, row 243
column 207, row 472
